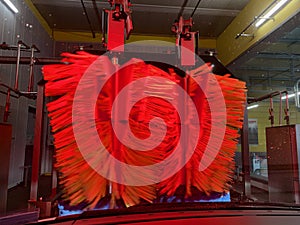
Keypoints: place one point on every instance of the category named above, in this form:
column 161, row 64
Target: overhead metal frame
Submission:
column 150, row 8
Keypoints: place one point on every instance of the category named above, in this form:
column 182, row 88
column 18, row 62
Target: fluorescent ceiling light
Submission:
column 252, row 106
column 270, row 13
column 11, row 6
column 289, row 96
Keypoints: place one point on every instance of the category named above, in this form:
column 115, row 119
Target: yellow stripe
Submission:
column 208, row 43
column 137, row 37
column 69, row 36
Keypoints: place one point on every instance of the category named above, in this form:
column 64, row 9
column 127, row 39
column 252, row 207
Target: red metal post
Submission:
column 37, row 143
column 5, row 146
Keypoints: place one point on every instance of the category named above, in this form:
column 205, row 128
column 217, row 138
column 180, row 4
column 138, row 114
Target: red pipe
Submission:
column 37, row 144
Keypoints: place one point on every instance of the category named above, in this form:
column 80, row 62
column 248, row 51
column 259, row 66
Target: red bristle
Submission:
column 82, row 183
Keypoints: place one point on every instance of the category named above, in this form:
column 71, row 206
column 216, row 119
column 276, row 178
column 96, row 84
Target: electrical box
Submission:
column 283, row 152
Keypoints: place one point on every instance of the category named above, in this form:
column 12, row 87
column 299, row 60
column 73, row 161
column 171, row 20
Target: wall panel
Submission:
column 13, row 28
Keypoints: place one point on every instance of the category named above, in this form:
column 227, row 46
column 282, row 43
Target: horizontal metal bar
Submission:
column 5, row 46
column 5, row 93
column 31, row 95
column 285, row 78
column 279, row 69
column 289, row 40
column 267, row 96
column 269, row 86
column 23, row 47
column 26, row 60
column 261, row 91
column 275, row 55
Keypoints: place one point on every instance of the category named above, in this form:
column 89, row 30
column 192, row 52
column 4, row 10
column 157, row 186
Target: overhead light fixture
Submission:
column 290, row 95
column 270, row 12
column 11, row 6
column 252, row 106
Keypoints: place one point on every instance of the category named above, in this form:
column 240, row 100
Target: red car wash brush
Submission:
column 138, row 132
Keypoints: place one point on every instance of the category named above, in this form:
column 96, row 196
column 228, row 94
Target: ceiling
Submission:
column 272, row 64
column 153, row 17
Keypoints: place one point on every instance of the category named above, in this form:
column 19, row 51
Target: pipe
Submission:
column 195, row 9
column 264, row 97
column 296, row 89
column 182, row 9
column 271, row 110
column 21, row 45
column 18, row 65
column 97, row 14
column 36, row 49
column 88, row 19
column 30, row 82
column 287, row 110
column 280, row 110
column 31, row 95
column 104, row 27
column 26, row 60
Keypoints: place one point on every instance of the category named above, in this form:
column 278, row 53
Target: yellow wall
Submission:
column 68, row 36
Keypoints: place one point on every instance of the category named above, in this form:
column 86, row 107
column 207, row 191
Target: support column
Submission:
column 246, row 157
column 37, row 143
column 5, row 146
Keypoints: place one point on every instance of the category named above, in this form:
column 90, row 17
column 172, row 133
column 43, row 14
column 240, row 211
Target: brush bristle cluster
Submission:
column 82, row 184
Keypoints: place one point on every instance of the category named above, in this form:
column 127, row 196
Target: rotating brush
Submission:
column 79, row 178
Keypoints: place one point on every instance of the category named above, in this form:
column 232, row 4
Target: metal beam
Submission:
column 26, row 60
column 277, row 55
column 273, row 79
column 270, row 86
column 289, row 40
column 277, row 69
column 266, row 91
column 245, row 156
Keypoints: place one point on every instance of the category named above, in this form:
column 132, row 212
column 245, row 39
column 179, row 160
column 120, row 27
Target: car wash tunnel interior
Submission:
column 115, row 104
